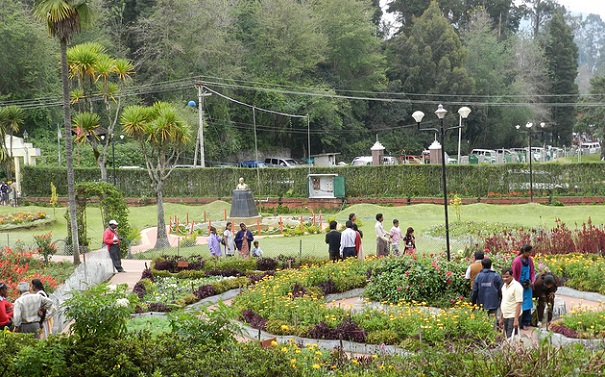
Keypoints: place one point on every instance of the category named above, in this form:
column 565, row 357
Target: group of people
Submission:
column 243, row 241
column 31, row 313
column 391, row 241
column 511, row 293
column 348, row 243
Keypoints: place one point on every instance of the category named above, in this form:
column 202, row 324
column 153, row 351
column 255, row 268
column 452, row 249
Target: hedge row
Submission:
column 383, row 181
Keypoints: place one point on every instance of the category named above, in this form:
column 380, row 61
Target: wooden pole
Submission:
column 258, row 227
column 281, row 226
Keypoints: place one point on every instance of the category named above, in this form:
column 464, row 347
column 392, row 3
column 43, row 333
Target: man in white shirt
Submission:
column 512, row 300
column 347, row 241
column 26, row 318
column 382, row 237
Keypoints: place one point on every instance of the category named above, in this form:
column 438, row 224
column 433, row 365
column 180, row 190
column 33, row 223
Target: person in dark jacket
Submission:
column 544, row 290
column 333, row 241
column 487, row 289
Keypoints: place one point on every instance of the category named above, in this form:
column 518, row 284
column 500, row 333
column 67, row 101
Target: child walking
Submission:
column 396, row 237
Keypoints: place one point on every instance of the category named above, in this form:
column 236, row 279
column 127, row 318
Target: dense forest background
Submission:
column 356, row 76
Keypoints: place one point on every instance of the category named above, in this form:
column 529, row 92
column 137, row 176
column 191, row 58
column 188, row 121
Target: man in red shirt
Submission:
column 112, row 240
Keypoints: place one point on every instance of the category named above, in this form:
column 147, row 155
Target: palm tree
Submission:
column 86, row 127
column 11, row 117
column 64, row 18
column 163, row 134
column 89, row 64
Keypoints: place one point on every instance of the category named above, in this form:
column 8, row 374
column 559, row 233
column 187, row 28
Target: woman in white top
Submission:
column 229, row 241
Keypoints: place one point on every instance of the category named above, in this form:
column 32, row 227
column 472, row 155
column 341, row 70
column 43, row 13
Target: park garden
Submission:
column 192, row 314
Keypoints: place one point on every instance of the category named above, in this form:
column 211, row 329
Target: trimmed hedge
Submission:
column 379, row 181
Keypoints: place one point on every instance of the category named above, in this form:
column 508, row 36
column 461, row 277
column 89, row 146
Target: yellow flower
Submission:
column 354, row 361
column 316, row 366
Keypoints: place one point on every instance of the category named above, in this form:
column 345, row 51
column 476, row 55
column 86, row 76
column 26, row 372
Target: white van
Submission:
column 489, row 155
column 591, row 148
column 280, row 162
column 367, row 160
column 362, row 161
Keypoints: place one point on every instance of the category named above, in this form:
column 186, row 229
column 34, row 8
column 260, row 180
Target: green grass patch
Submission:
column 152, row 324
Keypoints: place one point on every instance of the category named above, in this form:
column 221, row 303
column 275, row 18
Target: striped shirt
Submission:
column 27, row 306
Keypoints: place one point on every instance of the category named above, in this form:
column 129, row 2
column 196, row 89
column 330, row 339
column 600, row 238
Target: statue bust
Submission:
column 241, row 185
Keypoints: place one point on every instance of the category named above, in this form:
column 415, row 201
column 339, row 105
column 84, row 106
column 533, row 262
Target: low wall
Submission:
column 267, row 204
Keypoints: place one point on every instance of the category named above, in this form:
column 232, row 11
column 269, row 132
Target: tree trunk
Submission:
column 71, row 192
column 162, row 237
column 103, row 167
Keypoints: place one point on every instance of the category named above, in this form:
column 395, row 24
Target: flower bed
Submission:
column 23, row 220
column 291, row 303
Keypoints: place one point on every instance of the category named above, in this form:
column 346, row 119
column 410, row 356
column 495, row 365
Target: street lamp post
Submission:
column 529, row 126
column 463, row 112
column 441, row 112
column 113, row 157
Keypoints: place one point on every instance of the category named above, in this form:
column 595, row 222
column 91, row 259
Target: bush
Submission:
column 99, row 313
column 382, row 337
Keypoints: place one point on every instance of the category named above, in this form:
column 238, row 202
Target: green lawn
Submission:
column 420, row 217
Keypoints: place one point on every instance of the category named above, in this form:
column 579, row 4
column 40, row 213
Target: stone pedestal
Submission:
column 243, row 208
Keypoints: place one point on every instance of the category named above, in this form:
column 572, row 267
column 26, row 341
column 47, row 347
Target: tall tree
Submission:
column 591, row 115
column 431, row 59
column 562, row 55
column 95, row 74
column 181, row 38
column 64, row 18
column 163, row 134
column 27, row 59
column 489, row 63
column 539, row 13
column 590, row 38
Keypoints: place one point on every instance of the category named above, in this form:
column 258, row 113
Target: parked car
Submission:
column 281, row 162
column 362, row 161
column 489, row 155
column 591, row 147
column 412, row 160
column 367, row 160
column 252, row 164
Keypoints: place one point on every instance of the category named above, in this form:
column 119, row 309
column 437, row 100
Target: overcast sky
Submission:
column 576, row 6
column 585, row 6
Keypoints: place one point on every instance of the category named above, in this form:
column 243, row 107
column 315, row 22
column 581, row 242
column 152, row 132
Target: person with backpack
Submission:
column 487, row 289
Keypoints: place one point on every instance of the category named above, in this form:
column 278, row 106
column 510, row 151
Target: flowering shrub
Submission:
column 580, row 271
column 17, row 266
column 99, row 313
column 46, row 247
column 588, row 238
column 410, row 278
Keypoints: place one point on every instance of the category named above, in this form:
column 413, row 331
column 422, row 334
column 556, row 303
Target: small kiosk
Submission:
column 326, row 186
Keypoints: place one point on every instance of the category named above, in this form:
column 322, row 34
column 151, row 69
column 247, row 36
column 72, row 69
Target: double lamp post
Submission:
column 463, row 112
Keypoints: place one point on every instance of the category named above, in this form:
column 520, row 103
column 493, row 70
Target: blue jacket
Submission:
column 487, row 289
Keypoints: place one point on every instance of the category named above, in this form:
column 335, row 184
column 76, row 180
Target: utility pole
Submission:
column 200, row 132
